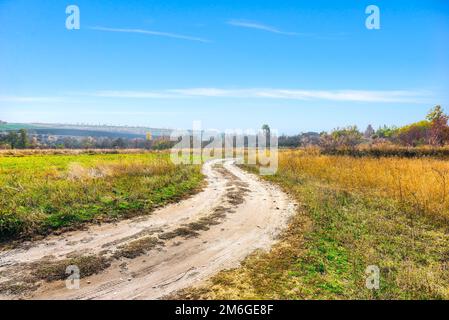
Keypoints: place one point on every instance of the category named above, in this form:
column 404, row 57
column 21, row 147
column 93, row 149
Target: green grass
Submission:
column 329, row 244
column 48, row 193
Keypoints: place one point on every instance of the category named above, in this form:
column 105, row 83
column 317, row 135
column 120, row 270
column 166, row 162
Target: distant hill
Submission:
column 86, row 130
column 14, row 126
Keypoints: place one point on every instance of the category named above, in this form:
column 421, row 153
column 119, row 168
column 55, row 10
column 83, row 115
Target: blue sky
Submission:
column 296, row 65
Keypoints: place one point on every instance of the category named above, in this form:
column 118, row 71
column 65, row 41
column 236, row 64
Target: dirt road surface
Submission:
column 175, row 247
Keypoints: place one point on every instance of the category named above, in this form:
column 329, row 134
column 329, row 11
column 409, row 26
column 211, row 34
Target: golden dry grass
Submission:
column 421, row 183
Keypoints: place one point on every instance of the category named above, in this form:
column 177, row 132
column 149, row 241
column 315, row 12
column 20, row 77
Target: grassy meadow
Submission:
column 353, row 213
column 45, row 193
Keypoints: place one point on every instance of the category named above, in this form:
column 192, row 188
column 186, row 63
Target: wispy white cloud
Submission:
column 33, row 99
column 149, row 32
column 207, row 92
column 343, row 95
column 398, row 96
column 132, row 94
column 132, row 113
column 261, row 26
column 391, row 96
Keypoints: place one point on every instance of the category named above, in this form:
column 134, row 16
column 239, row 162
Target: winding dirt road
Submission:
column 216, row 229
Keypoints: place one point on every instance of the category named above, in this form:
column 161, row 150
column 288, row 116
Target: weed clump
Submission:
column 57, row 270
column 137, row 248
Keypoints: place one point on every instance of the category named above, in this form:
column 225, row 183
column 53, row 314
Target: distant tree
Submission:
column 434, row 130
column 22, row 139
column 266, row 129
column 34, row 143
column 439, row 129
column 105, row 143
column 267, row 132
column 4, row 146
column 347, row 137
column 386, row 132
column 289, row 141
column 369, row 132
column 119, row 143
column 163, row 144
column 435, row 114
column 4, row 143
column 87, row 143
column 414, row 134
column 68, row 143
column 309, row 139
column 72, row 143
column 327, row 142
column 13, row 139
column 147, row 144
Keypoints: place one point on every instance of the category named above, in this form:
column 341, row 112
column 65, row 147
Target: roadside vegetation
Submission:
column 419, row 185
column 427, row 137
column 353, row 213
column 41, row 194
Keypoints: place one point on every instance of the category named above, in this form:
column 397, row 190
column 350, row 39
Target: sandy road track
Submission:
column 234, row 215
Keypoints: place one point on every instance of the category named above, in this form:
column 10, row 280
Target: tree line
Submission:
column 21, row 139
column 15, row 139
column 432, row 131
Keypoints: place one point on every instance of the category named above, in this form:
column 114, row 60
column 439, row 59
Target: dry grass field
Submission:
column 354, row 212
column 422, row 184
